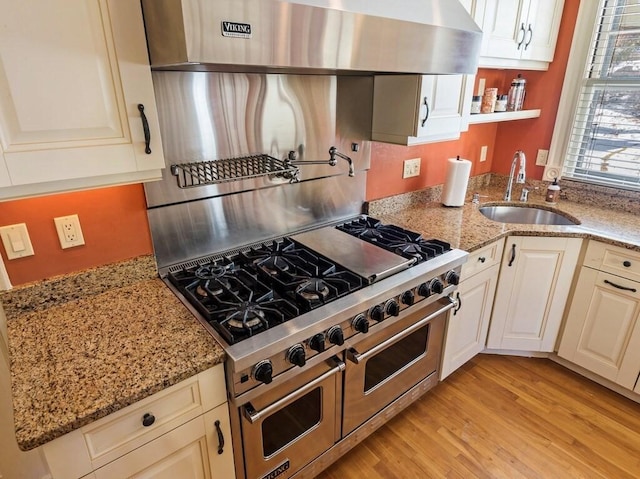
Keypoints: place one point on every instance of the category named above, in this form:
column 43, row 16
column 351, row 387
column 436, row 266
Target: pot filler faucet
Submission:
column 332, row 161
column 519, row 155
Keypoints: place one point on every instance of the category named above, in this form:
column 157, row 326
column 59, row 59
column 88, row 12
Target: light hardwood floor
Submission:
column 504, row 417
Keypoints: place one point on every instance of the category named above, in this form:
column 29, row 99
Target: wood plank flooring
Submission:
column 504, row 417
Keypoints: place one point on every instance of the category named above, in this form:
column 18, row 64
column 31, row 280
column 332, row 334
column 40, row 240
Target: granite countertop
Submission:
column 83, row 346
column 466, row 228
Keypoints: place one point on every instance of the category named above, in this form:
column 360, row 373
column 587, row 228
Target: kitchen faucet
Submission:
column 520, row 178
column 292, row 160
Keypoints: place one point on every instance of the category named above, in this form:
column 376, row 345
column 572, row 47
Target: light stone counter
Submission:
column 85, row 345
column 466, row 228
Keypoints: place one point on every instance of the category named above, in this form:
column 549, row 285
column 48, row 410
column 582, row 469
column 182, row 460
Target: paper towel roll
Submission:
column 455, row 186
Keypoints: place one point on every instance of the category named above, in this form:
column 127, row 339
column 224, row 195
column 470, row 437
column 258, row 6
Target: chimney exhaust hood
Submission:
column 312, row 36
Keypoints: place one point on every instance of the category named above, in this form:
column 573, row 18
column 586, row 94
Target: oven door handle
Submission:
column 254, row 416
column 357, row 358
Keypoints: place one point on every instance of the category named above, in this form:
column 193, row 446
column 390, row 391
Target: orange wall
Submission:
column 503, row 139
column 113, row 221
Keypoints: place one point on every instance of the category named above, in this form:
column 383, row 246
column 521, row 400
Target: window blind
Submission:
column 604, row 144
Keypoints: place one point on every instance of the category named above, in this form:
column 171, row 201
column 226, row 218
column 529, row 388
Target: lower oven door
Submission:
column 386, row 364
column 287, row 427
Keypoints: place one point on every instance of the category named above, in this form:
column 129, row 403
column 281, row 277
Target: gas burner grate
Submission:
column 406, row 243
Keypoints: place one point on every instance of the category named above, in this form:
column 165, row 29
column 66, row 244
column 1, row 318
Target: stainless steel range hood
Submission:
column 312, row 36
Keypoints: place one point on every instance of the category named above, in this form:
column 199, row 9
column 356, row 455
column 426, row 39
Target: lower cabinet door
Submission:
column 467, row 329
column 181, row 453
column 535, row 279
column 602, row 333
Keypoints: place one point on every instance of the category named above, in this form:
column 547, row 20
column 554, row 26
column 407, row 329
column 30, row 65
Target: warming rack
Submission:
column 203, row 173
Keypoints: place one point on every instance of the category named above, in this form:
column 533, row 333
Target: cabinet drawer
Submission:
column 482, row 259
column 613, row 259
column 108, row 438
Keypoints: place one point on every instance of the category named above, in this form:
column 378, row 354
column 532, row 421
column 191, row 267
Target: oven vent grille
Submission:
column 203, row 173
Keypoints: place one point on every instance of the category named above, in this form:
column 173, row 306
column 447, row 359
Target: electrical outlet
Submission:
column 411, row 168
column 543, row 156
column 483, row 153
column 69, row 231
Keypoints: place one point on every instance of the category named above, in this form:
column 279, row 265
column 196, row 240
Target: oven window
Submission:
column 291, row 422
column 395, row 357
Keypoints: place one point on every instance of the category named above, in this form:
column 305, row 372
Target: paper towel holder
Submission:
column 454, row 190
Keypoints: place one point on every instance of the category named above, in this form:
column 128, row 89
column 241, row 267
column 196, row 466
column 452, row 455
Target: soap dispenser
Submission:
column 553, row 191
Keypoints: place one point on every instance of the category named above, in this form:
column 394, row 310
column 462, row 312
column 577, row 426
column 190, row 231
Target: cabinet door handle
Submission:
column 626, row 264
column 482, row 259
column 524, row 34
column 145, row 127
column 459, row 301
column 624, row 288
column 220, row 437
column 513, row 254
column 530, row 32
column 426, row 117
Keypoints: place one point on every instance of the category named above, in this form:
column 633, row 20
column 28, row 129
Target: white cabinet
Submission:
column 182, row 431
column 535, row 279
column 520, row 33
column 414, row 109
column 467, row 327
column 602, row 333
column 72, row 74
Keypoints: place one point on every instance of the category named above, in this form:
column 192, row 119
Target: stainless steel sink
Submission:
column 525, row 215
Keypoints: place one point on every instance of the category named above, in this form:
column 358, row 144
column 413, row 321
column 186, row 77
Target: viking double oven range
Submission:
column 332, row 321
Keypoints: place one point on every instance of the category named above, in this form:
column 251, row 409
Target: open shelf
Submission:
column 503, row 116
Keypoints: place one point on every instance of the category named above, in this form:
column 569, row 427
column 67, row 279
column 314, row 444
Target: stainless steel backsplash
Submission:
column 207, row 116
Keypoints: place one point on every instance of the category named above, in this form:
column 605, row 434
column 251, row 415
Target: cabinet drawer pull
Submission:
column 426, row 117
column 148, row 419
column 145, row 128
column 513, row 254
column 482, row 259
column 626, row 264
column 624, row 288
column 220, row 437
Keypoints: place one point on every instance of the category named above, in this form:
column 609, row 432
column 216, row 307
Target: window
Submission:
column 602, row 143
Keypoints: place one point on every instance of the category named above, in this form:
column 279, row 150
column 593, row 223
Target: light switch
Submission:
column 16, row 241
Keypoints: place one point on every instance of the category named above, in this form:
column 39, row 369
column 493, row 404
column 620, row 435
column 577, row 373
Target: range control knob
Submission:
column 296, row 355
column 452, row 277
column 408, row 298
column 263, row 371
column 423, row 290
column 377, row 313
column 436, row 286
column 360, row 323
column 317, row 342
column 335, row 335
column 392, row 307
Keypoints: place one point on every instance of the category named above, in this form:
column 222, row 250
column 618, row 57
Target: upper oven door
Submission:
column 386, row 364
column 287, row 427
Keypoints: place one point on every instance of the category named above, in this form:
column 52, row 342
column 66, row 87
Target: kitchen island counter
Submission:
column 466, row 228
column 85, row 345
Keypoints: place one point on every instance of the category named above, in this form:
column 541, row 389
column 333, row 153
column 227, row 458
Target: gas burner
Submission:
column 395, row 239
column 313, row 289
column 247, row 317
column 274, row 263
column 213, row 271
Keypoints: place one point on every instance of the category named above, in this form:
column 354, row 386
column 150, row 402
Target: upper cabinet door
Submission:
column 72, row 73
column 543, row 24
column 520, row 33
column 505, row 24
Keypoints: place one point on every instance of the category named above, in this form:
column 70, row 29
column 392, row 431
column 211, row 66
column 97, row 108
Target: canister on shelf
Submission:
column 489, row 100
column 515, row 99
column 501, row 103
column 476, row 101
